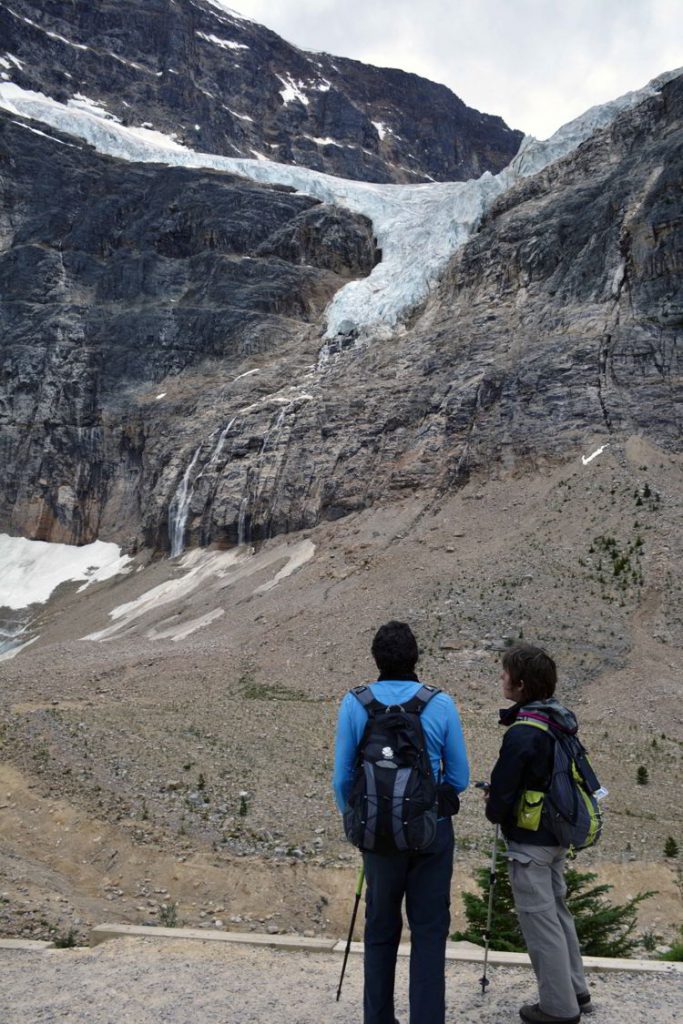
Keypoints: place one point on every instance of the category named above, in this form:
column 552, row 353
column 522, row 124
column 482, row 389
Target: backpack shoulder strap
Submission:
column 419, row 701
column 367, row 698
column 364, row 694
column 532, row 722
column 416, row 705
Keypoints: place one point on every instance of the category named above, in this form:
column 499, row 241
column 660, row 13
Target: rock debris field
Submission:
column 136, row 981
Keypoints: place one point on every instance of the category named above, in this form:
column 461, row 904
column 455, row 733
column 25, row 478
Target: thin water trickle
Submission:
column 242, row 521
column 251, row 491
column 179, row 508
column 218, row 449
column 206, row 471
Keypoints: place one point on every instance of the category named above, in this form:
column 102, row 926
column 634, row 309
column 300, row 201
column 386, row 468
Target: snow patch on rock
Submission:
column 225, row 44
column 293, row 90
column 205, row 574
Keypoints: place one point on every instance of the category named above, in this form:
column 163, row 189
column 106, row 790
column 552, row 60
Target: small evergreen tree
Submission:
column 505, row 932
column 603, row 928
column 670, row 847
column 642, row 776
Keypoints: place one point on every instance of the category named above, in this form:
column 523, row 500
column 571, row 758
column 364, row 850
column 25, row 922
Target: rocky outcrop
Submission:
column 160, row 332
column 115, row 276
column 325, row 237
column 223, row 84
column 555, row 330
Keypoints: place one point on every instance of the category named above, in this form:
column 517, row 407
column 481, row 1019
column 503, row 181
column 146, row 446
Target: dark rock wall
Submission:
column 114, row 276
column 582, row 300
column 556, row 329
column 157, row 61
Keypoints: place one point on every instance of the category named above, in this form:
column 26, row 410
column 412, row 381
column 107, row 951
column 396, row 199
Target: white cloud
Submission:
column 536, row 63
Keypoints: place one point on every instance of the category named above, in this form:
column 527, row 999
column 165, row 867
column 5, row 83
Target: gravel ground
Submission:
column 136, row 981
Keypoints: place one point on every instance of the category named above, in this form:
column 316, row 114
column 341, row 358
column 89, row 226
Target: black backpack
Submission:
column 393, row 802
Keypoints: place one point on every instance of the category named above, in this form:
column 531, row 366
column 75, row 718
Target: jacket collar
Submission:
column 506, row 716
column 393, row 677
column 557, row 716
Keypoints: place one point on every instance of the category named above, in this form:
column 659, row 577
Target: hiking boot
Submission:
column 533, row 1013
column 584, row 1001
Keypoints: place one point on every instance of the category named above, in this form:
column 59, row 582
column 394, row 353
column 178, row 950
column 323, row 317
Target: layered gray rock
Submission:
column 223, row 84
column 114, row 276
column 557, row 326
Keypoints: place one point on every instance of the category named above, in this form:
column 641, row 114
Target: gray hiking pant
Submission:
column 538, row 887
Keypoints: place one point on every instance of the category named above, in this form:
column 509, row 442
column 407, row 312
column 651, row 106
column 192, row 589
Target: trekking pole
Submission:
column 359, row 889
column 492, row 884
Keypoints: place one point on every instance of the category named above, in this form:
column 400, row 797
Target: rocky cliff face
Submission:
column 116, row 276
column 556, row 328
column 223, row 84
column 164, row 380
column 160, row 336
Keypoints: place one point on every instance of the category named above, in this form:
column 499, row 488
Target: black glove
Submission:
column 447, row 800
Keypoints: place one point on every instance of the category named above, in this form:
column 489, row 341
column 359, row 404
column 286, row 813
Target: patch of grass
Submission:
column 676, row 951
column 272, row 691
column 66, row 939
column 168, row 915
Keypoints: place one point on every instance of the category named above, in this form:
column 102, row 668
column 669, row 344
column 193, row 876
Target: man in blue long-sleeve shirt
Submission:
column 424, row 877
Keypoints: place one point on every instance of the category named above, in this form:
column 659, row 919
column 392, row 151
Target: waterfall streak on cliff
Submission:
column 207, row 470
column 252, row 491
column 242, row 521
column 179, row 508
column 219, row 448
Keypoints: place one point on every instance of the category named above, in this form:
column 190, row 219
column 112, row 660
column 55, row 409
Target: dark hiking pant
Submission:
column 425, row 881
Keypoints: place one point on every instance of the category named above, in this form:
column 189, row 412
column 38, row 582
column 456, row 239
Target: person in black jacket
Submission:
column 535, row 858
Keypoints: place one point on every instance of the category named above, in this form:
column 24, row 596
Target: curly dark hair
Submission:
column 533, row 668
column 394, row 648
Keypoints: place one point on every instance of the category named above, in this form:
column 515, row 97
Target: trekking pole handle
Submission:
column 360, row 879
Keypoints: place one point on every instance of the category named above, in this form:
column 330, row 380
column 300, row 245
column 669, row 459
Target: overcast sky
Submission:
column 537, row 63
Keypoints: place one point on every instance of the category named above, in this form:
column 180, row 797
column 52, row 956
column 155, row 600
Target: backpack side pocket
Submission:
column 529, row 809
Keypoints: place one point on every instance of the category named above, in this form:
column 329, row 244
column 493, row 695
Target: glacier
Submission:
column 432, row 219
